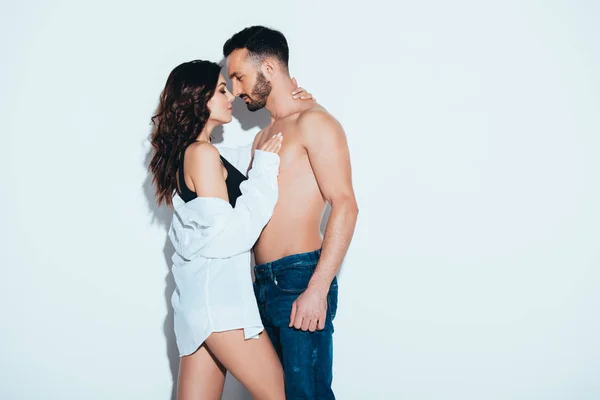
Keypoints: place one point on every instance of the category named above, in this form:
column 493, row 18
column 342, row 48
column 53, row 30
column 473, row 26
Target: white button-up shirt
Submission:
column 211, row 264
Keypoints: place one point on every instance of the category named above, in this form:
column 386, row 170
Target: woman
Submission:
column 218, row 216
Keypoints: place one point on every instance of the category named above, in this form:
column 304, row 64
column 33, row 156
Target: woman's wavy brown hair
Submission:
column 181, row 115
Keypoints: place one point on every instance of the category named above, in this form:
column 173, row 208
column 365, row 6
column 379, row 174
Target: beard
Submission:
column 260, row 92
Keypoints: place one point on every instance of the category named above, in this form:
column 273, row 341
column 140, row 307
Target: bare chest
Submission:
column 292, row 154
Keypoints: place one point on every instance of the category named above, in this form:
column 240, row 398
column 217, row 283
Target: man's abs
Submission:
column 295, row 225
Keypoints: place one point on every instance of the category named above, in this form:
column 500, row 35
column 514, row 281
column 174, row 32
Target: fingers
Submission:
column 306, row 316
column 313, row 325
column 298, row 322
column 302, row 94
column 296, row 319
column 305, row 324
column 293, row 314
column 276, row 148
column 267, row 146
column 321, row 324
column 273, row 145
column 298, row 92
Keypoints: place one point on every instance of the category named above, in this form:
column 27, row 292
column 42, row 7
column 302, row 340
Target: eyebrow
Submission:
column 234, row 75
column 222, row 84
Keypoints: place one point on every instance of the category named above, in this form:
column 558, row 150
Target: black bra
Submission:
column 233, row 181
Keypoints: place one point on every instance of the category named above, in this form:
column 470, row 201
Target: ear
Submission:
column 268, row 67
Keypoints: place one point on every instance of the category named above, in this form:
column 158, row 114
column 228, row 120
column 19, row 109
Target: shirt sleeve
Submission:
column 211, row 228
column 240, row 157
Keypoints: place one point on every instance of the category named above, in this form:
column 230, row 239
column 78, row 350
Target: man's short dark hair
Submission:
column 260, row 42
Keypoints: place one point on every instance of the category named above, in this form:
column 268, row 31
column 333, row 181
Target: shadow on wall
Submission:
column 161, row 216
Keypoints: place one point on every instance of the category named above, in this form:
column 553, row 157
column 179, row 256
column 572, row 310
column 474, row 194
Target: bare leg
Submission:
column 253, row 362
column 201, row 376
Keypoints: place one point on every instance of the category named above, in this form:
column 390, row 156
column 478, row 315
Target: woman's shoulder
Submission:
column 202, row 153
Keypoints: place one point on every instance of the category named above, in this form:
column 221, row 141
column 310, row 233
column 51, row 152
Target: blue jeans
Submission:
column 307, row 357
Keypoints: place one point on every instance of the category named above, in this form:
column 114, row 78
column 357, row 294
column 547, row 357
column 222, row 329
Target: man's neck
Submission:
column 280, row 102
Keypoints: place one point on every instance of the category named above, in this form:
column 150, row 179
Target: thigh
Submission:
column 253, row 362
column 307, row 359
column 271, row 329
column 201, row 376
column 273, row 333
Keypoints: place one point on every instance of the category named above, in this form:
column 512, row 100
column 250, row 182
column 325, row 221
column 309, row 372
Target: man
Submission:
column 295, row 286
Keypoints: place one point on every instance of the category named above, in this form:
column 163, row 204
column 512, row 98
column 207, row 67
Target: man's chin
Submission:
column 253, row 107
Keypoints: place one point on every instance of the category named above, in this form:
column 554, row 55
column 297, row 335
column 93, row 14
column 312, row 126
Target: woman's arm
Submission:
column 209, row 226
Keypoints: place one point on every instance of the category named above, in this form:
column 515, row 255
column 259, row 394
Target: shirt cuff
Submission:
column 265, row 162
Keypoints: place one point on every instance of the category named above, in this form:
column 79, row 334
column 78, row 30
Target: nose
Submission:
column 230, row 97
column 235, row 88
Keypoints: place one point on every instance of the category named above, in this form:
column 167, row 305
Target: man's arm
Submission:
column 327, row 147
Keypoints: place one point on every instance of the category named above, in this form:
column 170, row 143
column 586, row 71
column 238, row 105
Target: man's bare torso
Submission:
column 295, row 225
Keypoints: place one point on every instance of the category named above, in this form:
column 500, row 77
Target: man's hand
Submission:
column 309, row 310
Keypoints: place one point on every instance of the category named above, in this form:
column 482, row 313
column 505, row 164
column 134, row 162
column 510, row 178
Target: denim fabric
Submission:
column 306, row 357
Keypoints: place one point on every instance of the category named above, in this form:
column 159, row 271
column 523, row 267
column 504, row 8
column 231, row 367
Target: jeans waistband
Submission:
column 303, row 259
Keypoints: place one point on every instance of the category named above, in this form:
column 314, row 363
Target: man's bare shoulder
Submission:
column 316, row 119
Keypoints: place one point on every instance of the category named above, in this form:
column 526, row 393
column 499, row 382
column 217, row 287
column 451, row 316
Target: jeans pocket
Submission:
column 294, row 279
